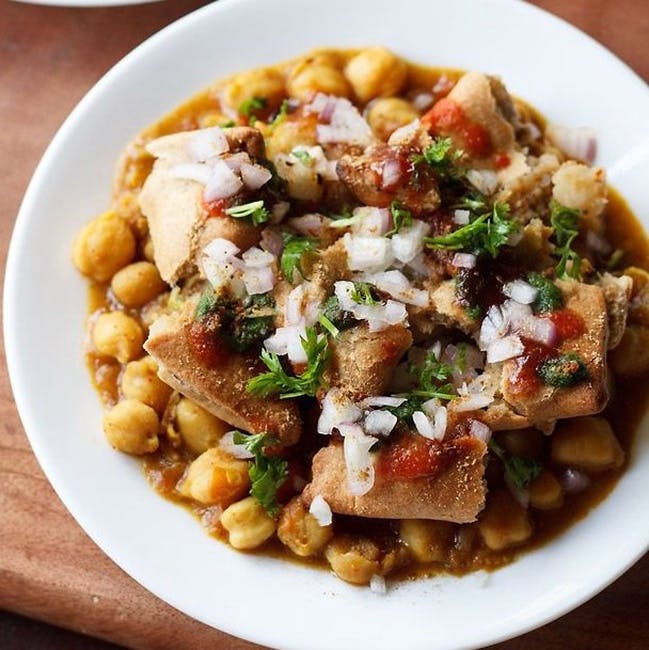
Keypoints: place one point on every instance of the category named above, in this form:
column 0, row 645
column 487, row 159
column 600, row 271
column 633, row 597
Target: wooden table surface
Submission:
column 49, row 568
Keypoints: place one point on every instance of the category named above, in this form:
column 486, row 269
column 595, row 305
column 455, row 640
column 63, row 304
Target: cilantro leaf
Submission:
column 483, row 236
column 278, row 381
column 333, row 312
column 549, row 296
column 256, row 210
column 228, row 124
column 401, row 218
column 362, row 294
column 441, row 157
column 473, row 201
column 249, row 107
column 281, row 114
column 563, row 370
column 519, row 471
column 565, row 222
column 328, row 325
column 294, row 247
column 303, row 156
column 267, row 473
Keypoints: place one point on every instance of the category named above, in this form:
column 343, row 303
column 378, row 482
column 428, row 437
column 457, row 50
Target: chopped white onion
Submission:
column 506, row 348
column 461, row 217
column 464, row 260
column 397, row 285
column 377, row 585
column 541, row 330
column 423, row 101
column 484, row 180
column 408, row 243
column 520, row 291
column 423, row 425
column 371, row 221
column 579, row 142
column 345, row 123
column 480, row 431
column 223, row 182
column 288, row 340
column 574, row 481
column 311, row 224
column 321, row 510
column 206, row 143
column 272, row 241
column 379, row 423
column 192, row 172
column 472, row 402
column 391, row 173
column 256, row 258
column 367, row 253
column 236, row 160
column 378, row 400
column 336, row 409
column 254, row 176
column 358, row 461
column 238, row 451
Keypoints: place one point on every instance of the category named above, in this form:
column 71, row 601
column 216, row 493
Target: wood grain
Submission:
column 49, row 569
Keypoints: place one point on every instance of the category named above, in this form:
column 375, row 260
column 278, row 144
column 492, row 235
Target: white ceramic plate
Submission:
column 568, row 76
column 86, row 3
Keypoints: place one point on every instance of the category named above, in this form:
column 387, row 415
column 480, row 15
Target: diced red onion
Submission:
column 272, row 241
column 573, row 481
column 258, row 279
column 345, row 124
column 391, row 174
column 237, row 451
column 378, row 400
column 279, row 211
column 379, row 423
column 480, row 431
column 311, row 224
column 464, row 260
column 206, row 143
column 597, row 243
column 579, row 142
column 520, row 291
column 336, row 409
column 472, row 402
column 223, row 183
column 192, row 172
column 256, row 258
column 321, row 510
column 254, row 176
column 377, row 585
column 422, row 101
column 358, row 461
column 461, row 217
column 506, row 348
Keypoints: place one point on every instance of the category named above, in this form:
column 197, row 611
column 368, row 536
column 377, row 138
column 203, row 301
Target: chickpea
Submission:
column 504, row 522
column 376, row 72
column 103, row 247
column 309, row 78
column 587, row 443
column 137, row 284
column 324, row 56
column 211, row 118
column 545, row 492
column 357, row 559
column 215, row 477
column 386, row 115
column 300, row 531
column 287, row 135
column 132, row 427
column 264, row 83
column 200, row 430
column 523, row 442
column 428, row 541
column 140, row 381
column 147, row 250
column 639, row 305
column 117, row 335
column 248, row 524
column 631, row 357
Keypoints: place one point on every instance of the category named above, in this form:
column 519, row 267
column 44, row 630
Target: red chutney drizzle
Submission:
column 446, row 117
column 410, row 457
column 524, row 380
column 205, row 346
column 216, row 208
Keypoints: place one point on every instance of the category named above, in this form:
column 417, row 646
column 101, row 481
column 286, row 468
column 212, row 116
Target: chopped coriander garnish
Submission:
column 333, row 312
column 303, row 156
column 267, row 473
column 294, row 247
column 362, row 294
column 615, row 260
column 207, row 304
column 328, row 325
column 565, row 222
column 281, row 114
column 440, row 157
column 401, row 218
column 256, row 210
column 549, row 296
column 473, row 311
column 562, row 371
column 228, row 124
column 483, row 236
column 473, row 201
column 248, row 107
column 519, row 470
column 277, row 381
